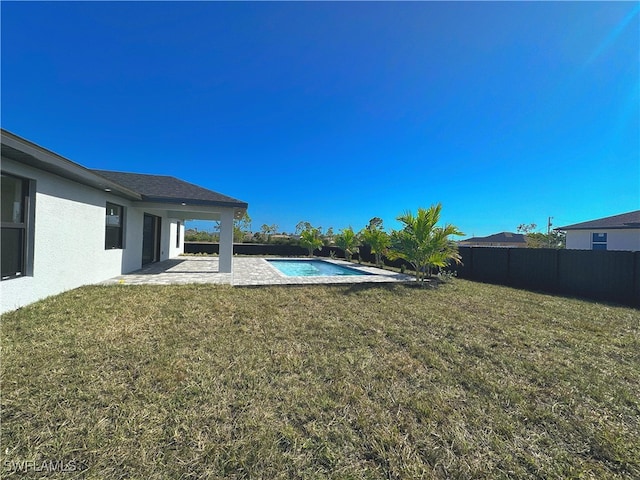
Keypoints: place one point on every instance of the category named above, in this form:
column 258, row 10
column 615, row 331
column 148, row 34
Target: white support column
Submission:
column 226, row 241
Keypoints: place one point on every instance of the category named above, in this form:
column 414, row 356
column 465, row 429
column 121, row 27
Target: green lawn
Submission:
column 347, row 382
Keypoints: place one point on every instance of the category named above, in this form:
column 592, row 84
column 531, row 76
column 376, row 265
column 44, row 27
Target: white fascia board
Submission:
column 20, row 150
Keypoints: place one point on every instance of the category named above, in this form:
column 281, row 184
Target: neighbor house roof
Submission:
column 624, row 220
column 166, row 189
column 502, row 237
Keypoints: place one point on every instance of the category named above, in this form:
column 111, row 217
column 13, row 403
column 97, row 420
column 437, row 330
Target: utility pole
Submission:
column 549, row 232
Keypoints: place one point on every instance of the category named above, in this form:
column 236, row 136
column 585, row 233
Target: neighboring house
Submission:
column 502, row 239
column 619, row 232
column 64, row 225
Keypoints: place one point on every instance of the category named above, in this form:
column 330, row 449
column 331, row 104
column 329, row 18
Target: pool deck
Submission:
column 246, row 271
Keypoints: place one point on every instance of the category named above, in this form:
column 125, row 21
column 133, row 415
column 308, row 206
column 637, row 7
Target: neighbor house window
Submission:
column 15, row 226
column 599, row 241
column 178, row 235
column 113, row 234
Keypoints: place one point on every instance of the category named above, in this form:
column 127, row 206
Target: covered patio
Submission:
column 246, row 271
column 174, row 198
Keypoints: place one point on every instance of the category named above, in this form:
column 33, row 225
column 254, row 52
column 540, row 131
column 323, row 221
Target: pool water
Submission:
column 312, row 268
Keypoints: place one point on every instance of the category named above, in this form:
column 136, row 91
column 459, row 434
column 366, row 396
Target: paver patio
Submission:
column 246, row 271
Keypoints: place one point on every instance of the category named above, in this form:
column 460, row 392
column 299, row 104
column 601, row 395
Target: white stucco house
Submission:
column 619, row 232
column 64, row 225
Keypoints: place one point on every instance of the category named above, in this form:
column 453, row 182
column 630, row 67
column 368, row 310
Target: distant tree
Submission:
column 311, row 238
column 195, row 235
column 241, row 227
column 527, row 228
column 375, row 223
column 302, row 226
column 329, row 236
column 422, row 243
column 537, row 239
column 557, row 239
column 262, row 234
column 267, row 230
column 374, row 236
column 348, row 241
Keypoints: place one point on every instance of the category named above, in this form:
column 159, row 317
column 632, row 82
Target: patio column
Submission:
column 226, row 241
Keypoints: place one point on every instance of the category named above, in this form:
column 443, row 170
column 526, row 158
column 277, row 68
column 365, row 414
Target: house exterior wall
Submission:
column 69, row 238
column 617, row 239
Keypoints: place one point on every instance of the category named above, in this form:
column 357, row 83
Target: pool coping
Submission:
column 247, row 271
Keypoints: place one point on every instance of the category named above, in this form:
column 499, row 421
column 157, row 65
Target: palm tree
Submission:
column 423, row 244
column 311, row 239
column 377, row 239
column 348, row 241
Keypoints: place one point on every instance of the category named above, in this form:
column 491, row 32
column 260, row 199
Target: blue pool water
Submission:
column 312, row 268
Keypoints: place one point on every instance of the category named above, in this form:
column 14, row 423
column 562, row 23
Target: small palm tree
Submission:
column 423, row 244
column 348, row 241
column 377, row 239
column 311, row 239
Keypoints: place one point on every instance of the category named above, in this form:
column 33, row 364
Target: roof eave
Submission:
column 599, row 227
column 195, row 201
column 23, row 151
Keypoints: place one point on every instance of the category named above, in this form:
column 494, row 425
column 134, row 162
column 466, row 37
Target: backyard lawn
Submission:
column 347, row 382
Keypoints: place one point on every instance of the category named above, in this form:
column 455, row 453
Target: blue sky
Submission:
column 334, row 113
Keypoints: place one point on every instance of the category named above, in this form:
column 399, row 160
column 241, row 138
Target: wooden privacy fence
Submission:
column 594, row 274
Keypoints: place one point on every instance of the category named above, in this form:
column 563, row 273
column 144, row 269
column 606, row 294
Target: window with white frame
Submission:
column 599, row 241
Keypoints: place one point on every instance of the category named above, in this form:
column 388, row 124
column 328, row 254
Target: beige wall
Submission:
column 617, row 239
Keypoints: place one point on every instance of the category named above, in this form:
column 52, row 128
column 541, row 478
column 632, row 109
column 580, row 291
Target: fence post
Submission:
column 636, row 281
column 557, row 275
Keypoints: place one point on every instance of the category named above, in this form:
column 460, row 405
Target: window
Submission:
column 15, row 226
column 113, row 234
column 599, row 241
column 178, row 235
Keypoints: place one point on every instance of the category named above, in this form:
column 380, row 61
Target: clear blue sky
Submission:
column 334, row 113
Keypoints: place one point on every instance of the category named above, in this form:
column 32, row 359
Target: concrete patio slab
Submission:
column 246, row 271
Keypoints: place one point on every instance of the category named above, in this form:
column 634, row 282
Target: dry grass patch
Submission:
column 360, row 382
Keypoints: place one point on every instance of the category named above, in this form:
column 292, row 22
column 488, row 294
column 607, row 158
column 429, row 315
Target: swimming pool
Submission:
column 312, row 268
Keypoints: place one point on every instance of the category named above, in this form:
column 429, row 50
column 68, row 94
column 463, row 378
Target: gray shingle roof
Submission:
column 502, row 237
column 161, row 188
column 624, row 220
column 135, row 186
